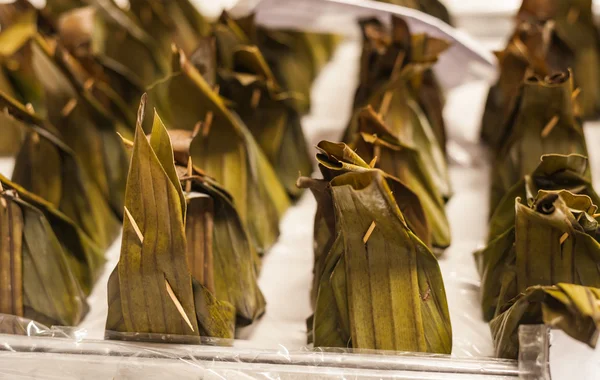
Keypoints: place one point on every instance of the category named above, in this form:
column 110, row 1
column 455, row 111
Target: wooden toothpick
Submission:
column 137, row 230
column 69, row 107
column 255, row 101
column 369, row 232
column 178, row 304
column 207, row 123
column 188, row 183
column 550, row 126
column 563, row 238
column 373, row 162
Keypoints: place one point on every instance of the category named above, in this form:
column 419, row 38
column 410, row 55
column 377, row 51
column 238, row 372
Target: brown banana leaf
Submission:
column 553, row 239
column 532, row 49
column 11, row 324
column 402, row 158
column 335, row 160
column 151, row 290
column 575, row 27
column 432, row 7
column 58, row 176
column 571, row 308
column 405, row 307
column 296, row 58
column 555, row 172
column 224, row 148
column 543, row 121
column 396, row 79
column 36, row 280
column 267, row 110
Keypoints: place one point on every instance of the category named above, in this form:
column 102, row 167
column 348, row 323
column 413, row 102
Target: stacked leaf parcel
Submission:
column 550, row 36
column 398, row 122
column 377, row 285
column 71, row 79
column 541, row 260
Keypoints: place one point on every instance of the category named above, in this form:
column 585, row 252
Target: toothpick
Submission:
column 2, row 200
column 207, row 123
column 387, row 97
column 196, row 129
column 369, row 232
column 564, row 237
column 188, row 183
column 576, row 93
column 69, row 107
column 178, row 304
column 35, row 138
column 549, row 127
column 377, row 151
column 256, row 94
column 126, row 141
column 137, row 230
column 596, row 216
column 88, row 84
column 373, row 162
column 29, row 108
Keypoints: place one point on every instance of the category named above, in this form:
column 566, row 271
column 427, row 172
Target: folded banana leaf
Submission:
column 396, row 79
column 432, row 7
column 380, row 286
column 532, row 49
column 36, row 280
column 224, row 148
column 400, row 157
column 235, row 260
column 295, row 58
column 542, row 121
column 571, row 308
column 575, row 28
column 555, row 172
column 267, row 110
column 152, row 289
column 334, row 160
column 554, row 238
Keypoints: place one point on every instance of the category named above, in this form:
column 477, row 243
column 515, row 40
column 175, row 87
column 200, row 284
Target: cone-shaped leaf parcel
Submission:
column 378, row 285
column 36, row 279
column 393, row 66
column 542, row 121
column 223, row 147
column 553, row 239
column 267, row 110
column 152, row 289
column 575, row 31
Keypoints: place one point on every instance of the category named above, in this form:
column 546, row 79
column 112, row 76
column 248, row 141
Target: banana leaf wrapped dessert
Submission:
column 571, row 308
column 223, row 147
column 364, row 239
column 542, row 121
column 268, row 111
column 52, row 174
column 553, row 239
column 153, row 289
column 576, row 30
column 36, row 278
column 400, row 156
column 394, row 66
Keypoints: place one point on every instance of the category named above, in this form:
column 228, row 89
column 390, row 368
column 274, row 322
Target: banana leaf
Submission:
column 576, row 29
column 404, row 307
column 396, row 79
column 152, row 289
column 432, row 7
column 224, row 148
column 11, row 324
column 400, row 157
column 553, row 239
column 532, row 49
column 295, row 58
column 571, row 308
column 543, row 121
column 334, row 160
column 36, row 280
column 267, row 110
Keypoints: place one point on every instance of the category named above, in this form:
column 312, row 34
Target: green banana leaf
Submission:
column 36, row 279
column 224, row 148
column 296, row 58
column 432, row 7
column 402, row 158
column 152, row 289
column 532, row 49
column 396, row 79
column 571, row 308
column 405, row 307
column 553, row 239
column 575, row 28
column 267, row 110
column 334, row 160
column 543, row 121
